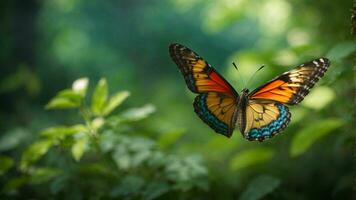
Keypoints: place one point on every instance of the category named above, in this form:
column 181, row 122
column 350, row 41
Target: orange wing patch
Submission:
column 291, row 87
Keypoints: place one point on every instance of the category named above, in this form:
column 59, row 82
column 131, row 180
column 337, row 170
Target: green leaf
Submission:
column 108, row 140
column 99, row 97
column 65, row 99
column 79, row 147
column 309, row 135
column 115, row 101
column 40, row 175
column 80, row 86
column 341, row 50
column 251, row 157
column 13, row 138
column 61, row 132
column 15, row 183
column 259, row 187
column 122, row 158
column 97, row 123
column 155, row 189
column 136, row 114
column 61, row 103
column 34, row 152
column 6, row 164
column 168, row 139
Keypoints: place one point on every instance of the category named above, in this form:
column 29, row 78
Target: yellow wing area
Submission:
column 265, row 119
column 217, row 110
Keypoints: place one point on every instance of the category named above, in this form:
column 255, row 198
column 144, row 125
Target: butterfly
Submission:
column 260, row 114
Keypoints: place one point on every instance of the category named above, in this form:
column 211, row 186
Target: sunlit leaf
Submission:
column 251, row 157
column 97, row 123
column 61, row 132
column 6, row 164
column 13, row 138
column 79, row 147
column 34, row 152
column 61, row 103
column 115, row 101
column 80, row 86
column 99, row 97
column 40, row 175
column 315, row 131
column 136, row 114
column 319, row 98
column 167, row 139
column 341, row 50
column 155, row 189
column 65, row 99
column 259, row 187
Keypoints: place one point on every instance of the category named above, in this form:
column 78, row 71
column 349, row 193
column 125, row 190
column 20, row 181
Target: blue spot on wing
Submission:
column 272, row 128
column 201, row 108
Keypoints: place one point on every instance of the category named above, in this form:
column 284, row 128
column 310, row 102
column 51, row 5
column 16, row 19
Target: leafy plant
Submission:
column 106, row 148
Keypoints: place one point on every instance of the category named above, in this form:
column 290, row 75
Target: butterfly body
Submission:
column 259, row 114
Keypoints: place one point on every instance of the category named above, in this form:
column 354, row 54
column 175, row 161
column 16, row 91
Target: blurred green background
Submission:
column 134, row 134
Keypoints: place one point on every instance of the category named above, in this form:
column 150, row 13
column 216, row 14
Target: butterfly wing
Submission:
column 217, row 99
column 292, row 86
column 264, row 120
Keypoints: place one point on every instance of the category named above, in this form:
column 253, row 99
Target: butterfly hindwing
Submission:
column 292, row 86
column 217, row 110
column 265, row 120
column 216, row 105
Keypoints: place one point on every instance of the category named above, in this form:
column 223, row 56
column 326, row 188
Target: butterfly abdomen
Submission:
column 272, row 128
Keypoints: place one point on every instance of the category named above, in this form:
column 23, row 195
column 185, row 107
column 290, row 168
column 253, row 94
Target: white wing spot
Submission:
column 316, row 63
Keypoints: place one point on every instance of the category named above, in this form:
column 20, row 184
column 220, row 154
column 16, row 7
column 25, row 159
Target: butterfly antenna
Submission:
column 242, row 80
column 253, row 75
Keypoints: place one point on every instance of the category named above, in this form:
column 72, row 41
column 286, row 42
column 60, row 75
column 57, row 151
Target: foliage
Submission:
column 145, row 141
column 101, row 146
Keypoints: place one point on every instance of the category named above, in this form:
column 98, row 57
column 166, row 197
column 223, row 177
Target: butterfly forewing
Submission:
column 199, row 76
column 291, row 87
